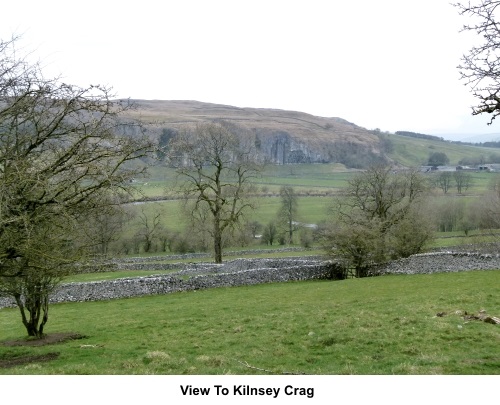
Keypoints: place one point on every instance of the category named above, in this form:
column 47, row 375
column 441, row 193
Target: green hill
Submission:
column 410, row 151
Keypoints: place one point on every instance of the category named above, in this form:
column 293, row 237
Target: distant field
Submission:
column 321, row 179
column 381, row 325
column 315, row 183
column 415, row 152
column 312, row 178
column 312, row 210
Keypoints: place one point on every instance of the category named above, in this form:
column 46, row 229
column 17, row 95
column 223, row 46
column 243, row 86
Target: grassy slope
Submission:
column 384, row 325
column 415, row 152
column 314, row 129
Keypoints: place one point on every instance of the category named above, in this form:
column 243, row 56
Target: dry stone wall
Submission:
column 440, row 262
column 254, row 271
column 195, row 277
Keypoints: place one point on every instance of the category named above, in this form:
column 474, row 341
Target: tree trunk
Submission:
column 35, row 307
column 217, row 240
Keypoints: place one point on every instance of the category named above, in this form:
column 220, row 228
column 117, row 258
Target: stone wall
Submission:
column 195, row 277
column 440, row 262
column 256, row 271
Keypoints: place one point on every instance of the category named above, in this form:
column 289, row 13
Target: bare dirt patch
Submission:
column 53, row 338
column 13, row 360
column 28, row 359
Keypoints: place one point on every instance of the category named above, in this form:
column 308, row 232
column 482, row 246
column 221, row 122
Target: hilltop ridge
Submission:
column 284, row 136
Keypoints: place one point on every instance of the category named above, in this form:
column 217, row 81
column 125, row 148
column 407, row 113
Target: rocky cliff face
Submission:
column 280, row 147
column 283, row 137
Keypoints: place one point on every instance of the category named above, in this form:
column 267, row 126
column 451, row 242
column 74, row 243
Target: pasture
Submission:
column 382, row 325
column 315, row 184
column 410, row 151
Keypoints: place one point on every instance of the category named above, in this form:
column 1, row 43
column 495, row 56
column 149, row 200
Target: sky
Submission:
column 387, row 64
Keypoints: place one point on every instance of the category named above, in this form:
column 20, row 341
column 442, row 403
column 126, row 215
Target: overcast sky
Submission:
column 388, row 64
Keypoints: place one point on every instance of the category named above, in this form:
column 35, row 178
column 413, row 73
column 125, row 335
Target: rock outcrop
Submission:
column 282, row 136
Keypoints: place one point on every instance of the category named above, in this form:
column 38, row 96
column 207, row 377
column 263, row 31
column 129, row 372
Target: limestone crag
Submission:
column 282, row 137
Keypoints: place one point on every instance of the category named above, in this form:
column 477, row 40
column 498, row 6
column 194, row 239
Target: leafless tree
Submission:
column 480, row 67
column 216, row 163
column 443, row 181
column 270, row 233
column 101, row 228
column 463, row 180
column 149, row 228
column 61, row 158
column 488, row 208
column 380, row 193
column 287, row 214
column 254, row 227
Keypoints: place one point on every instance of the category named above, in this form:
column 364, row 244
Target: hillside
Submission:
column 296, row 137
column 284, row 136
column 414, row 152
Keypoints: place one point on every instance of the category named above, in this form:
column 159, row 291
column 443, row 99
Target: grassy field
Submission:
column 322, row 179
column 313, row 201
column 415, row 151
column 319, row 179
column 311, row 178
column 384, row 325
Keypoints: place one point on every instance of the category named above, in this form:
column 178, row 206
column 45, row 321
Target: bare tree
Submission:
column 380, row 193
column 488, row 208
column 443, row 181
column 463, row 180
column 287, row 214
column 270, row 233
column 254, row 227
column 216, row 163
column 61, row 158
column 42, row 258
column 149, row 228
column 101, row 228
column 480, row 68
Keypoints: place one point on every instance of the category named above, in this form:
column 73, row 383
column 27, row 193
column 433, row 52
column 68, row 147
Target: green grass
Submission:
column 316, row 183
column 458, row 238
column 305, row 178
column 384, row 325
column 311, row 210
column 415, row 152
